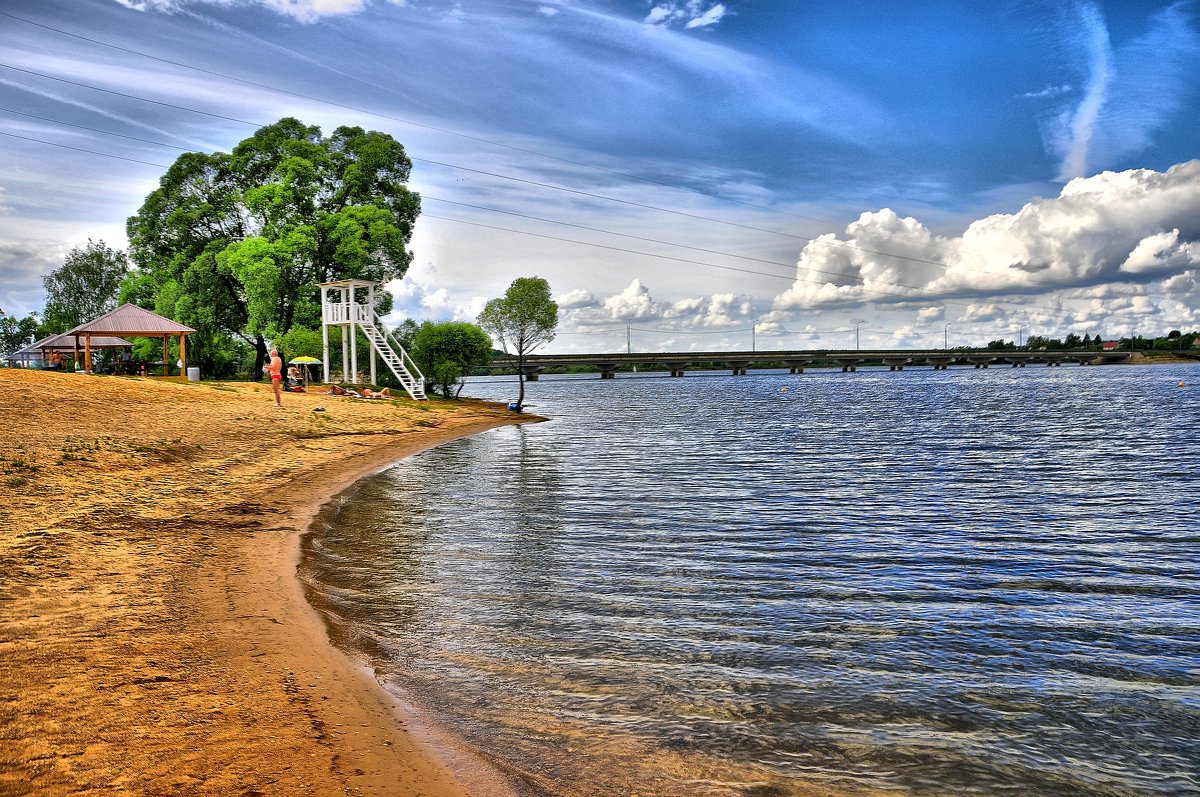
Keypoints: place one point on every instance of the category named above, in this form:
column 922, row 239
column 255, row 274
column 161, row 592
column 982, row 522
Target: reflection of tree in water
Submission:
column 537, row 500
column 358, row 573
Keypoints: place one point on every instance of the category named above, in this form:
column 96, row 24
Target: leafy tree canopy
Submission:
column 248, row 236
column 16, row 332
column 447, row 351
column 84, row 287
column 522, row 320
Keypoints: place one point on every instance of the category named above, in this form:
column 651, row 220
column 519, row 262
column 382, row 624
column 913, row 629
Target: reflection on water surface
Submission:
column 978, row 582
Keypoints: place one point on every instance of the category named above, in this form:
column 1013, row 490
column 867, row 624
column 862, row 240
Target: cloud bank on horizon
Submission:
column 698, row 172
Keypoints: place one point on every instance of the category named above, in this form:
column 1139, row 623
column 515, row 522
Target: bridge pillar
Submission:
column 797, row 366
column 531, row 372
column 848, row 363
column 677, row 368
column 607, row 370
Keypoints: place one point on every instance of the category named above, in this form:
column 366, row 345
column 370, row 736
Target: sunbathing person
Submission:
column 376, row 394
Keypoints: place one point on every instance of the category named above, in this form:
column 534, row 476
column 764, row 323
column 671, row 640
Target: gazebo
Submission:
column 39, row 351
column 30, row 351
column 129, row 320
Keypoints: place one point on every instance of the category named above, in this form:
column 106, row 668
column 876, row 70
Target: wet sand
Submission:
column 154, row 638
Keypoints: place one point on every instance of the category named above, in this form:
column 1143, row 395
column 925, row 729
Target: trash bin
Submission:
column 193, row 373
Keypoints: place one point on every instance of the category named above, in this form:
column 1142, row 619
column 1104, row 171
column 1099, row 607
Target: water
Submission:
column 968, row 582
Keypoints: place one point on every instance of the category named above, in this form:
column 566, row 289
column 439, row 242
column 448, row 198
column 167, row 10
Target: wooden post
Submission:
column 350, row 307
column 87, row 354
column 182, row 355
column 325, row 335
column 371, row 320
column 166, row 354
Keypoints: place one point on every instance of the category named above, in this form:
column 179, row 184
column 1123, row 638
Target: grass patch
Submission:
column 20, row 465
column 15, row 482
column 172, row 451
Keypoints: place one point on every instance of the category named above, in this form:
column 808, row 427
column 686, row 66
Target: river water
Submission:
column 966, row 581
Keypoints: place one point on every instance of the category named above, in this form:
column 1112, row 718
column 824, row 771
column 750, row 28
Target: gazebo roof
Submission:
column 349, row 283
column 30, row 348
column 67, row 342
column 129, row 319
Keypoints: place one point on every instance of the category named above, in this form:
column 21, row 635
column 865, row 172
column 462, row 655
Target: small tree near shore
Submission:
column 521, row 321
column 446, row 351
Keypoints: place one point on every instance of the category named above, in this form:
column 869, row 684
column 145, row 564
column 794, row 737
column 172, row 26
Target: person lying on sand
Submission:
column 376, row 394
column 338, row 390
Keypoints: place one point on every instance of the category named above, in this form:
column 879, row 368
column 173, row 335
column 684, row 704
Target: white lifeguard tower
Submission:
column 350, row 304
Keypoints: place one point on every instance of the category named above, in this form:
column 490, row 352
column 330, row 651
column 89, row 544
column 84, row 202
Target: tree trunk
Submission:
column 521, row 381
column 260, row 358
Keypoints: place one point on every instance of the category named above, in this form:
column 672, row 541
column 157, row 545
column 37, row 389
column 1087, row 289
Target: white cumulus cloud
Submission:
column 632, row 304
column 1116, row 226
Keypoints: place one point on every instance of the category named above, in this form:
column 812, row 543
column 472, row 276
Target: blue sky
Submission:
column 682, row 169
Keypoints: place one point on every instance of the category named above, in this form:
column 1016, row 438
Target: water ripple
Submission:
column 976, row 582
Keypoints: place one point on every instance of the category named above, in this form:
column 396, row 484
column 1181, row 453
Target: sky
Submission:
column 687, row 175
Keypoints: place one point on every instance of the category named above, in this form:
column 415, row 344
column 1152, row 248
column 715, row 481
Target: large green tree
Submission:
column 84, row 287
column 237, row 243
column 446, row 351
column 523, row 319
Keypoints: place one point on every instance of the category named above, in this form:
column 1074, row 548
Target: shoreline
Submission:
column 155, row 637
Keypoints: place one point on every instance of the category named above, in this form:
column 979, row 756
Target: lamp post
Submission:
column 753, row 327
column 946, row 337
column 857, row 324
column 1020, row 335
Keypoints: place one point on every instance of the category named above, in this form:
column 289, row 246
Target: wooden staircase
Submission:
column 398, row 360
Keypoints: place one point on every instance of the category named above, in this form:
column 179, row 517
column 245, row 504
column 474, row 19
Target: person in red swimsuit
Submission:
column 275, row 369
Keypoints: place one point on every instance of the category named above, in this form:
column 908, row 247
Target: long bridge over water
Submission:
column 739, row 362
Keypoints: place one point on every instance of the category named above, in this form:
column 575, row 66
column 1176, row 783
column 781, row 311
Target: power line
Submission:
column 688, row 261
column 81, row 149
column 130, row 96
column 693, row 216
column 90, row 129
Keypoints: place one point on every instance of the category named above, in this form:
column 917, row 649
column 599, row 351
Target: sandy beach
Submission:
column 153, row 636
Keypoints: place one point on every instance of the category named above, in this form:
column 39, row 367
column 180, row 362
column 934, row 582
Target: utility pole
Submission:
column 857, row 324
column 1020, row 335
column 946, row 337
column 628, row 341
